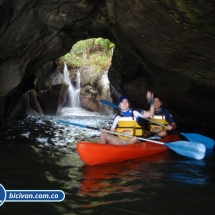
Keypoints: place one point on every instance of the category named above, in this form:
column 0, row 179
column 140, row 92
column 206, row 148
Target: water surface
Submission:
column 40, row 153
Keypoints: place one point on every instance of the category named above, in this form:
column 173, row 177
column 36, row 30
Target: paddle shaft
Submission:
column 126, row 135
column 155, row 122
column 140, row 138
column 189, row 149
column 110, row 132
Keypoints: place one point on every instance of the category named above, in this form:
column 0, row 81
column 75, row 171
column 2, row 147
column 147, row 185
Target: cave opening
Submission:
column 86, row 62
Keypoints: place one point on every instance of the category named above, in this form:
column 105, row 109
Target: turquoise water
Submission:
column 40, row 153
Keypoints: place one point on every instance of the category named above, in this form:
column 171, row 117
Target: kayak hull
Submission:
column 92, row 153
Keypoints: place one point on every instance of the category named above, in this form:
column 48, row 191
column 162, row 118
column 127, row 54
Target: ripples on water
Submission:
column 40, row 153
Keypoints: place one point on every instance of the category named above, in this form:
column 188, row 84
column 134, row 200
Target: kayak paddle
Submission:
column 189, row 149
column 109, row 103
column 208, row 142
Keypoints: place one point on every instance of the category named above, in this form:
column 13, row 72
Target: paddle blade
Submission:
column 77, row 124
column 109, row 103
column 188, row 149
column 71, row 123
column 208, row 142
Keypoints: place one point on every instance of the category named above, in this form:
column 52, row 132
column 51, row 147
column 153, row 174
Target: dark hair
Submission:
column 158, row 97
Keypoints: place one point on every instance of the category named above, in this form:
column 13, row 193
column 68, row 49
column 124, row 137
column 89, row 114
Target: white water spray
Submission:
column 73, row 92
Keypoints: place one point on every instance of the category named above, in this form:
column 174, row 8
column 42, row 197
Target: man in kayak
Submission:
column 161, row 116
column 123, row 103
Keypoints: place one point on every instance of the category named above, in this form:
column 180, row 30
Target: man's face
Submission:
column 157, row 103
column 124, row 105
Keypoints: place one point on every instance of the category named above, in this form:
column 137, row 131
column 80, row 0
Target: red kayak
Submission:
column 92, row 153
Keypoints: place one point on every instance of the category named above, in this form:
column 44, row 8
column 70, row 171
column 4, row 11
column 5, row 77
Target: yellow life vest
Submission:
column 153, row 127
column 128, row 125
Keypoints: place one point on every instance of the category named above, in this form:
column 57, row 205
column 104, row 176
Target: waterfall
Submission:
column 76, row 92
column 73, row 92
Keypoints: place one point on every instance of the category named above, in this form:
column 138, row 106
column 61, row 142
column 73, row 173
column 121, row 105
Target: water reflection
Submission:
column 98, row 179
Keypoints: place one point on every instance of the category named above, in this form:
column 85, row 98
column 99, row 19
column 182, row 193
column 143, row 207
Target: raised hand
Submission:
column 150, row 96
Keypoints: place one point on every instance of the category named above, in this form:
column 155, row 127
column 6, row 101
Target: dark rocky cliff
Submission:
column 164, row 46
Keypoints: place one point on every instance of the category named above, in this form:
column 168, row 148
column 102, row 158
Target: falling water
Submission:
column 73, row 92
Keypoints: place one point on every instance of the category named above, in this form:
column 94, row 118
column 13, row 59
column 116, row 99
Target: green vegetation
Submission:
column 95, row 53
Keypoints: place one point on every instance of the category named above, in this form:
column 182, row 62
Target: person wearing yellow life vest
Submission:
column 123, row 103
column 161, row 116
